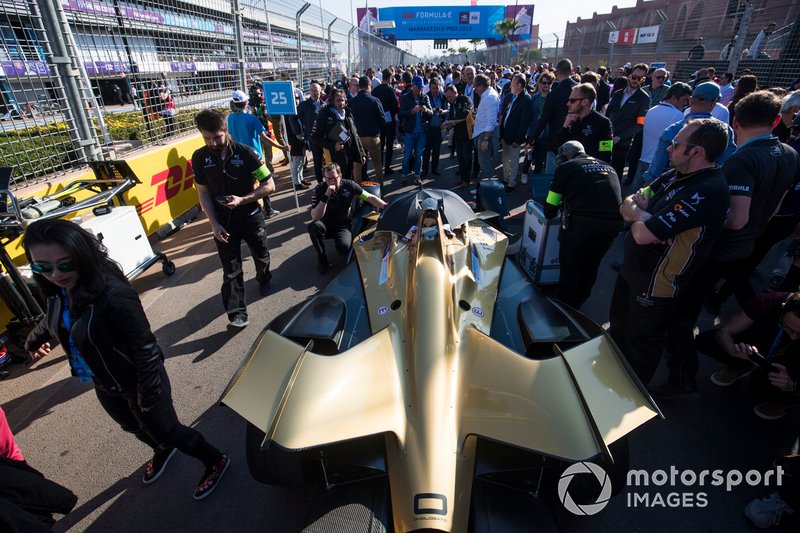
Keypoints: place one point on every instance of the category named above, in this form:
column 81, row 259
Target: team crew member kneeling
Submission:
column 330, row 212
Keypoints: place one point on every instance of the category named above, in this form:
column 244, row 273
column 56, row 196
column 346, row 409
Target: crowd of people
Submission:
column 710, row 168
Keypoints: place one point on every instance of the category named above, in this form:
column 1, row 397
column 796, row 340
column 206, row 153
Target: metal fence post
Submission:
column 557, row 41
column 236, row 9
column 67, row 65
column 610, row 44
column 300, row 43
column 330, row 51
column 350, row 61
column 736, row 55
column 580, row 46
column 269, row 31
column 662, row 29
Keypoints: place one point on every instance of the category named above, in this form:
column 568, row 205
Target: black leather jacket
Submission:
column 113, row 336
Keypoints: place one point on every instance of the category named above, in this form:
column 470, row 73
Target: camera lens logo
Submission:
column 586, row 509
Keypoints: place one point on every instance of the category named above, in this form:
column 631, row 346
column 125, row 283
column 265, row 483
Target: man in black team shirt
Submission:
column 674, row 223
column 759, row 173
column 585, row 125
column 587, row 190
column 224, row 174
column 330, row 212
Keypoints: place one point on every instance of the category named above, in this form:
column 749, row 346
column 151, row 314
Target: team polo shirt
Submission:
column 594, row 132
column 688, row 214
column 233, row 174
column 338, row 208
column 762, row 169
column 590, row 188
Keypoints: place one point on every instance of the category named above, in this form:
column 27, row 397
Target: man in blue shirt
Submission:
column 701, row 103
column 245, row 128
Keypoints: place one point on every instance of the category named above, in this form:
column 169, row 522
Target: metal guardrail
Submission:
column 79, row 75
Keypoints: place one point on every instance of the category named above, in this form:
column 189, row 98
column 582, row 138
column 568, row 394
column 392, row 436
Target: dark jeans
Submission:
column 582, row 247
column 159, row 426
column 464, row 154
column 619, row 156
column 323, row 229
column 639, row 326
column 433, row 147
column 634, row 154
column 388, row 133
column 28, row 500
column 319, row 160
column 252, row 231
column 683, row 354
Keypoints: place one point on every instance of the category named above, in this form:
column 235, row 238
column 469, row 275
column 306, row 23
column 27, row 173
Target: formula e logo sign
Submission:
column 584, row 468
column 469, row 17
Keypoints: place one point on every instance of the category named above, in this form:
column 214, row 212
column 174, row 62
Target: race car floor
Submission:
column 64, row 433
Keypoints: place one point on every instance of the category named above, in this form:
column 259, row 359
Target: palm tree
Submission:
column 475, row 43
column 507, row 27
column 463, row 50
column 451, row 51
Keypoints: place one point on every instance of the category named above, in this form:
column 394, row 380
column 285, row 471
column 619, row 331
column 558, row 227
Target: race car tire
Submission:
column 276, row 465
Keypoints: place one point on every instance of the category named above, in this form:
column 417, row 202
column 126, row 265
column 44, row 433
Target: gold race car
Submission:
column 426, row 358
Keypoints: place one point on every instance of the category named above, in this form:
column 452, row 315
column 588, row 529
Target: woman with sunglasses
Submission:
column 95, row 314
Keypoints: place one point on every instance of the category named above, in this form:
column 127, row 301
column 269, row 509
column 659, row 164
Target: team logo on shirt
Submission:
column 696, row 199
column 587, row 130
column 209, row 162
column 775, row 151
column 236, row 160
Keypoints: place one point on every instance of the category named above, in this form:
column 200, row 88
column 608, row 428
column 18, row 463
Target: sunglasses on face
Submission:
column 660, row 77
column 43, row 268
column 675, row 144
column 637, row 78
column 545, row 83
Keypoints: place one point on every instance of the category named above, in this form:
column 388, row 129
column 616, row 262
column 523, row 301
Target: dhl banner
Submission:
column 166, row 191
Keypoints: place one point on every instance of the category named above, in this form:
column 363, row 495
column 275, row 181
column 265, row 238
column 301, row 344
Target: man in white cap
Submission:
column 245, row 128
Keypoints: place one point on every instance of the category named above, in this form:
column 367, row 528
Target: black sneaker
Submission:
column 156, row 466
column 322, row 265
column 211, row 478
column 302, row 185
column 272, row 213
column 239, row 321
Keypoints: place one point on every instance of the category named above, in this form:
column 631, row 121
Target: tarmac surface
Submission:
column 63, row 431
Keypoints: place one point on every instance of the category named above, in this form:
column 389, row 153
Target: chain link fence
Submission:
column 83, row 78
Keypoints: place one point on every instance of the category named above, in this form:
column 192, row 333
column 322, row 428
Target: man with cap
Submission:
column 718, row 111
column 657, row 90
column 247, row 129
column 674, row 223
column 587, row 191
column 503, row 81
column 702, row 101
column 415, row 117
column 585, row 125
